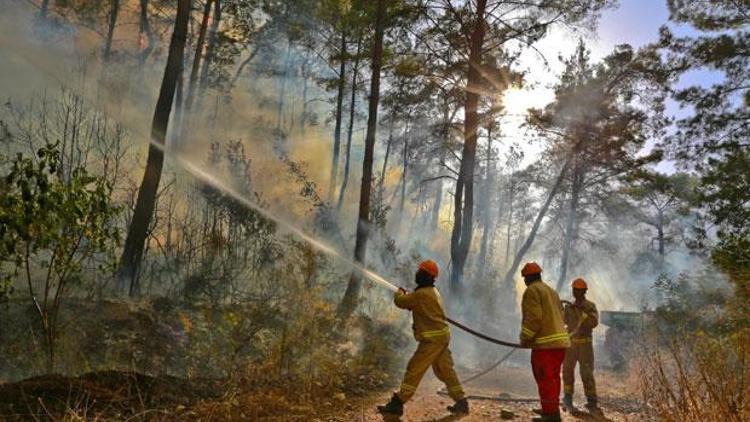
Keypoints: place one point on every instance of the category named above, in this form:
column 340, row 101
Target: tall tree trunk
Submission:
column 404, row 169
column 388, row 144
column 511, row 194
column 351, row 296
column 305, row 84
column 179, row 101
column 570, row 226
column 145, row 35
column 350, row 129
column 210, row 49
column 44, row 9
column 463, row 213
column 435, row 214
column 197, row 58
column 339, row 114
column 282, row 94
column 144, row 207
column 113, row 11
column 439, row 193
column 486, row 217
column 535, row 228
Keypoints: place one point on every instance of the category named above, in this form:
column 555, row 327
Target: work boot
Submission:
column 460, row 407
column 393, row 407
column 592, row 404
column 567, row 402
column 550, row 417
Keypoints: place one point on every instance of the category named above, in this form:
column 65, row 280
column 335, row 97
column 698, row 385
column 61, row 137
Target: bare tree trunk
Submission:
column 535, row 228
column 351, row 296
column 463, row 213
column 44, row 9
column 350, row 130
column 144, row 207
column 210, row 49
column 114, row 10
column 404, row 169
column 389, row 142
column 197, row 57
column 145, row 34
column 305, row 84
column 339, row 114
column 511, row 194
column 487, row 217
column 179, row 101
column 282, row 93
column 570, row 226
column 439, row 193
column 435, row 214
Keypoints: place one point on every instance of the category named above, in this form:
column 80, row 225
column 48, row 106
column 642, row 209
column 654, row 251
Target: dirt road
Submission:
column 619, row 401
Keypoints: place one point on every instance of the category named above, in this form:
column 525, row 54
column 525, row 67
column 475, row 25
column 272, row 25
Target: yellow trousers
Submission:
column 437, row 355
column 581, row 351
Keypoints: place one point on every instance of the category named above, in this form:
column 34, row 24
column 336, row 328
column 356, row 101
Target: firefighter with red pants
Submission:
column 581, row 317
column 433, row 334
column 543, row 330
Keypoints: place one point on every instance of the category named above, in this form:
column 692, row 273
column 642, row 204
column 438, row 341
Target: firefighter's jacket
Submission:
column 542, row 325
column 581, row 319
column 427, row 311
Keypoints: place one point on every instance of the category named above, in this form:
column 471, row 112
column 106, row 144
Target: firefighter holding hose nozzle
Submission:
column 543, row 330
column 581, row 317
column 433, row 335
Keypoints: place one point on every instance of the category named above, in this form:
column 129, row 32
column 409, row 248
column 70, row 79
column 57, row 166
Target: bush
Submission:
column 51, row 225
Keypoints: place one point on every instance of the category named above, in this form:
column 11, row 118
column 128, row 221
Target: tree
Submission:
column 199, row 46
column 57, row 224
column 713, row 138
column 351, row 296
column 113, row 12
column 596, row 125
column 352, row 118
column 146, row 201
column 660, row 198
column 146, row 38
column 476, row 33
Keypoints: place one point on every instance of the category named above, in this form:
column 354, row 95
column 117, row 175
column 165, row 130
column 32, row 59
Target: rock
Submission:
column 507, row 414
column 339, row 396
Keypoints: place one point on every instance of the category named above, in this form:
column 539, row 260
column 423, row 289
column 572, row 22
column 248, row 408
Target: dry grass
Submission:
column 696, row 376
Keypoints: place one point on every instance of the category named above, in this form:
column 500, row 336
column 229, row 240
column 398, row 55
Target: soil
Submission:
column 618, row 401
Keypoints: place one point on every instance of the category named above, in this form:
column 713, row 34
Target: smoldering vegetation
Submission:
column 275, row 102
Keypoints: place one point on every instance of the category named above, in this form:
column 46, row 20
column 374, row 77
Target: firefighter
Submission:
column 433, row 335
column 580, row 317
column 543, row 330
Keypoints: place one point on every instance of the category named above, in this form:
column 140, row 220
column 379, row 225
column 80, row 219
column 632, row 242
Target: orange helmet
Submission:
column 531, row 268
column 430, row 267
column 579, row 283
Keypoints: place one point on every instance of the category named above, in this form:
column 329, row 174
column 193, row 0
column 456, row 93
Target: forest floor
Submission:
column 112, row 395
column 618, row 396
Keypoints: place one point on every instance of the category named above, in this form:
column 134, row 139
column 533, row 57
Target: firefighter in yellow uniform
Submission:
column 433, row 335
column 581, row 317
column 543, row 330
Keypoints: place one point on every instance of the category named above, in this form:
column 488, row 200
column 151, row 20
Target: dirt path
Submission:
column 619, row 402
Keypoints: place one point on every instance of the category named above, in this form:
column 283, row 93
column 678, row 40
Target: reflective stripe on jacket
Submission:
column 542, row 325
column 427, row 311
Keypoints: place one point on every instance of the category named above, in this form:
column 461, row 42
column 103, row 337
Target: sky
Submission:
column 634, row 22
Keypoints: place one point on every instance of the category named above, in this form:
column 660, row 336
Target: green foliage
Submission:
column 713, row 139
column 50, row 227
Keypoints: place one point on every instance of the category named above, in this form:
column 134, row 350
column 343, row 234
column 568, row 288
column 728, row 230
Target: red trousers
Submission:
column 546, row 365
